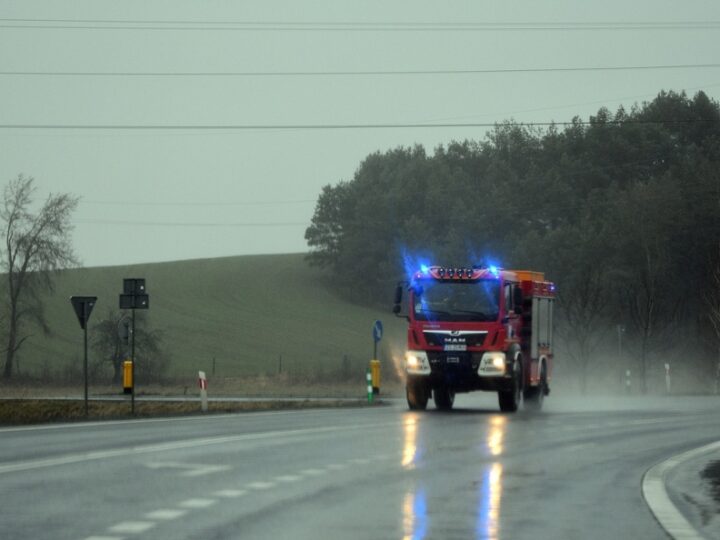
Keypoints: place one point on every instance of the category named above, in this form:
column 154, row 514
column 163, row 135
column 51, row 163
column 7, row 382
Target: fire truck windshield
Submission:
column 457, row 301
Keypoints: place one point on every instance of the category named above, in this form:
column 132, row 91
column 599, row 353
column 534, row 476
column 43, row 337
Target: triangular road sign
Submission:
column 83, row 306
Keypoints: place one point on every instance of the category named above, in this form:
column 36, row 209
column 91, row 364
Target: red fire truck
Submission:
column 478, row 328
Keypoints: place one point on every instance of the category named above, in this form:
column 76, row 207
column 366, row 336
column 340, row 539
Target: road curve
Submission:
column 572, row 471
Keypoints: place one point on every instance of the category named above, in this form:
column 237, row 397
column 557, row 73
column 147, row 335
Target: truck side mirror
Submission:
column 518, row 299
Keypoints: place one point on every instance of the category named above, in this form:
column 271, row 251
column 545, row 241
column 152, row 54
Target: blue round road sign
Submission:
column 377, row 331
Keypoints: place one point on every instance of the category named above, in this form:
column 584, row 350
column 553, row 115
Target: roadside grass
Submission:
column 245, row 316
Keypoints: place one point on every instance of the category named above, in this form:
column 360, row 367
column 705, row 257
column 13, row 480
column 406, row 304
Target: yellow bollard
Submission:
column 127, row 377
column 375, row 370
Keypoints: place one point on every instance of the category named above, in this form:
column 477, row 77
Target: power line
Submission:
column 196, row 204
column 277, row 127
column 347, row 73
column 185, row 224
column 349, row 26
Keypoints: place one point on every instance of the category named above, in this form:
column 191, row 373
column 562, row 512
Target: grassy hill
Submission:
column 245, row 312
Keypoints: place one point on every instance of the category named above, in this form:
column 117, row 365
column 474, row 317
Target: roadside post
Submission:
column 667, row 378
column 134, row 296
column 83, row 306
column 368, row 378
column 375, row 363
column 628, row 381
column 203, row 384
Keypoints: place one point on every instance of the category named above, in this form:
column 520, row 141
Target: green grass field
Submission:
column 245, row 312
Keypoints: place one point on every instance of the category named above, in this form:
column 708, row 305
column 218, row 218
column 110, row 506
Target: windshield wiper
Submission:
column 480, row 314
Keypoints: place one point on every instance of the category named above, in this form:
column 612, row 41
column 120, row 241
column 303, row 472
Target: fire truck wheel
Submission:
column 417, row 393
column 510, row 399
column 535, row 396
column 444, row 398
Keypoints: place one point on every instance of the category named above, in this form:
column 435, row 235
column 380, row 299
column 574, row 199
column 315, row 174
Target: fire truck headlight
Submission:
column 416, row 362
column 492, row 363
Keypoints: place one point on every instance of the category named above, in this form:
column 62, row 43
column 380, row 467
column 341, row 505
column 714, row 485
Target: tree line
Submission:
column 621, row 211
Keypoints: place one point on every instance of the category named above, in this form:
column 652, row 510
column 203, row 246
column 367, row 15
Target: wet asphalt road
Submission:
column 572, row 471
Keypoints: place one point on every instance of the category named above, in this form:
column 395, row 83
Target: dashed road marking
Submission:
column 287, row 478
column 336, row 467
column 312, row 472
column 166, row 514
column 197, row 503
column 131, row 527
column 230, row 493
column 261, row 485
column 104, row 538
column 188, row 469
column 360, row 461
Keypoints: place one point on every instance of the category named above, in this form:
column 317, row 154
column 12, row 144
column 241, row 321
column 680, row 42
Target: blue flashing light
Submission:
column 424, row 268
column 494, row 270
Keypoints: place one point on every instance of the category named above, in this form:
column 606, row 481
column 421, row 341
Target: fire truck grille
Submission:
column 439, row 339
column 444, row 362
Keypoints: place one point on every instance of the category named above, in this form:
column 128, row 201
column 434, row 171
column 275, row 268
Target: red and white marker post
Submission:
column 203, row 384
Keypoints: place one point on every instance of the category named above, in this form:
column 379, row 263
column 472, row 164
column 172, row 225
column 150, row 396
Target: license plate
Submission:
column 453, row 359
column 456, row 347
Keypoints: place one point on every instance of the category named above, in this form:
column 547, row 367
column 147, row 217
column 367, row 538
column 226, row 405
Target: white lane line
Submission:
column 657, row 498
column 360, row 461
column 166, row 514
column 230, row 493
column 131, row 527
column 287, row 478
column 578, row 447
column 261, row 485
column 189, row 469
column 178, row 445
column 197, row 503
column 311, row 472
column 336, row 467
column 104, row 538
column 114, row 423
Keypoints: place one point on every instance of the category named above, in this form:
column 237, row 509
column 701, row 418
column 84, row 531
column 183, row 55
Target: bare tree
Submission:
column 37, row 243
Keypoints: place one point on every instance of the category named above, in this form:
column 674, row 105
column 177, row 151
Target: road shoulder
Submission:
column 679, row 497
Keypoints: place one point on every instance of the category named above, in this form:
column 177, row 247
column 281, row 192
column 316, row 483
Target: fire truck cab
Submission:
column 478, row 328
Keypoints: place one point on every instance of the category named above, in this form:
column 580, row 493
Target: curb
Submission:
column 657, row 498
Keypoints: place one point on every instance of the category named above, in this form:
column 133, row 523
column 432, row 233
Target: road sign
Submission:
column 83, row 306
column 377, row 331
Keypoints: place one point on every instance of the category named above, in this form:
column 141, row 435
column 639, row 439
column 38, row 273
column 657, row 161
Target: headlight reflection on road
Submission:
column 410, row 451
column 488, row 523
column 496, row 435
column 415, row 520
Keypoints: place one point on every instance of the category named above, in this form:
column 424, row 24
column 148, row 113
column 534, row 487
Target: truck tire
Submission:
column 444, row 398
column 534, row 397
column 509, row 400
column 417, row 393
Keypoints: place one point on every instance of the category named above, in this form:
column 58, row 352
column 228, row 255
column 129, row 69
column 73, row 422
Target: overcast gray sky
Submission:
column 156, row 195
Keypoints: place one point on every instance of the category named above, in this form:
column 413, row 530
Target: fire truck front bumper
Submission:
column 462, row 371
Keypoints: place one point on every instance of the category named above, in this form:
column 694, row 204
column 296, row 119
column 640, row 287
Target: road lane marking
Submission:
column 194, row 418
column 104, row 538
column 166, row 514
column 311, row 472
column 178, row 445
column 189, row 469
column 197, row 503
column 658, row 499
column 287, row 478
column 261, row 485
column 360, row 461
column 131, row 527
column 336, row 467
column 230, row 493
